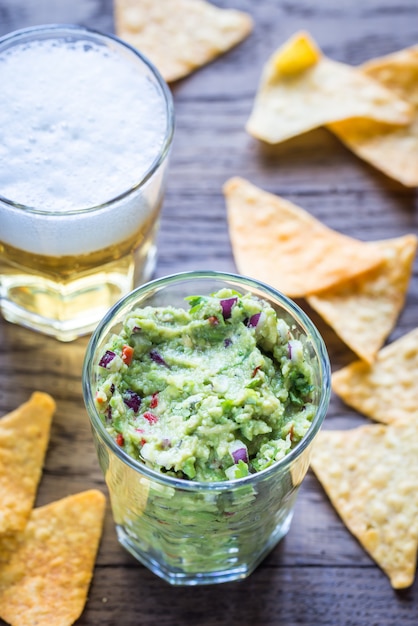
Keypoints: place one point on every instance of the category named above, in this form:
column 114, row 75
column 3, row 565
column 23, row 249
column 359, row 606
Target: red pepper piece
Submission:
column 213, row 320
column 150, row 417
column 140, row 430
column 99, row 398
column 119, row 439
column 154, row 401
column 255, row 371
column 127, row 354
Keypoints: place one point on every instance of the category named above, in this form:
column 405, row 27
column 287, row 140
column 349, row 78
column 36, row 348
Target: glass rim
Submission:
column 45, row 29
column 189, row 485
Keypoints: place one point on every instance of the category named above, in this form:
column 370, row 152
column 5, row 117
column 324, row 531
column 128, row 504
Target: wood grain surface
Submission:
column 319, row 574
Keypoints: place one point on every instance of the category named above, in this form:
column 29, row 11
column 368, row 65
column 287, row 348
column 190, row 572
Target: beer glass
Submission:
column 87, row 127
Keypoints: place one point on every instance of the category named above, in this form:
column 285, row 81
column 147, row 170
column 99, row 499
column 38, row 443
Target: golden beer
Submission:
column 67, row 289
column 81, row 190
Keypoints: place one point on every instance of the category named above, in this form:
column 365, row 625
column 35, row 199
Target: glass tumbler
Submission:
column 86, row 138
column 187, row 532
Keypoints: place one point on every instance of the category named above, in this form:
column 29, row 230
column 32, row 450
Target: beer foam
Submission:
column 62, row 234
column 83, row 124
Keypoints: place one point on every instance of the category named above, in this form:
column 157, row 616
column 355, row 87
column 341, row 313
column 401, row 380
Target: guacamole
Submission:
column 212, row 393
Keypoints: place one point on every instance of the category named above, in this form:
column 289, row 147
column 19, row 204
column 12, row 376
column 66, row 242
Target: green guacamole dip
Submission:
column 212, row 393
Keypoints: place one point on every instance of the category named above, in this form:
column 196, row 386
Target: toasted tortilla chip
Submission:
column 9, row 542
column 24, row 436
column 394, row 151
column 387, row 390
column 318, row 92
column 47, row 579
column 179, row 36
column 370, row 474
column 364, row 310
column 279, row 243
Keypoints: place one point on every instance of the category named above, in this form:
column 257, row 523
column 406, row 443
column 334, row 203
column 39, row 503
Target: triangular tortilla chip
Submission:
column 394, row 151
column 319, row 91
column 279, row 243
column 47, row 579
column 8, row 544
column 370, row 474
column 387, row 390
column 24, row 436
column 364, row 310
column 179, row 36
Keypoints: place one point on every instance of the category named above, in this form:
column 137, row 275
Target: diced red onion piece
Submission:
column 227, row 305
column 157, row 358
column 294, row 349
column 107, row 358
column 253, row 321
column 132, row 400
column 240, row 454
column 227, row 342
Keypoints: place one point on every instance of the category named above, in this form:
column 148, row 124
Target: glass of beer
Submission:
column 86, row 136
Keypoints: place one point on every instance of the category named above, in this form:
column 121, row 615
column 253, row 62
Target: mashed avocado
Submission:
column 211, row 393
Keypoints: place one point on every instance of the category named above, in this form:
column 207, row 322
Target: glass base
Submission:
column 176, row 576
column 73, row 308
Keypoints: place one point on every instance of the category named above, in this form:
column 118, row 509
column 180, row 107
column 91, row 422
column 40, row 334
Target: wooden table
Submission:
column 319, row 574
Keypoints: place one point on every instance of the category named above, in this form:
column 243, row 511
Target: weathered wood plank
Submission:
column 271, row 596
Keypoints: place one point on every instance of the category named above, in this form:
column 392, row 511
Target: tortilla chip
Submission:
column 47, row 579
column 370, row 474
column 394, row 151
column 24, row 436
column 9, row 542
column 364, row 310
column 179, row 36
column 318, row 92
column 279, row 243
column 387, row 390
